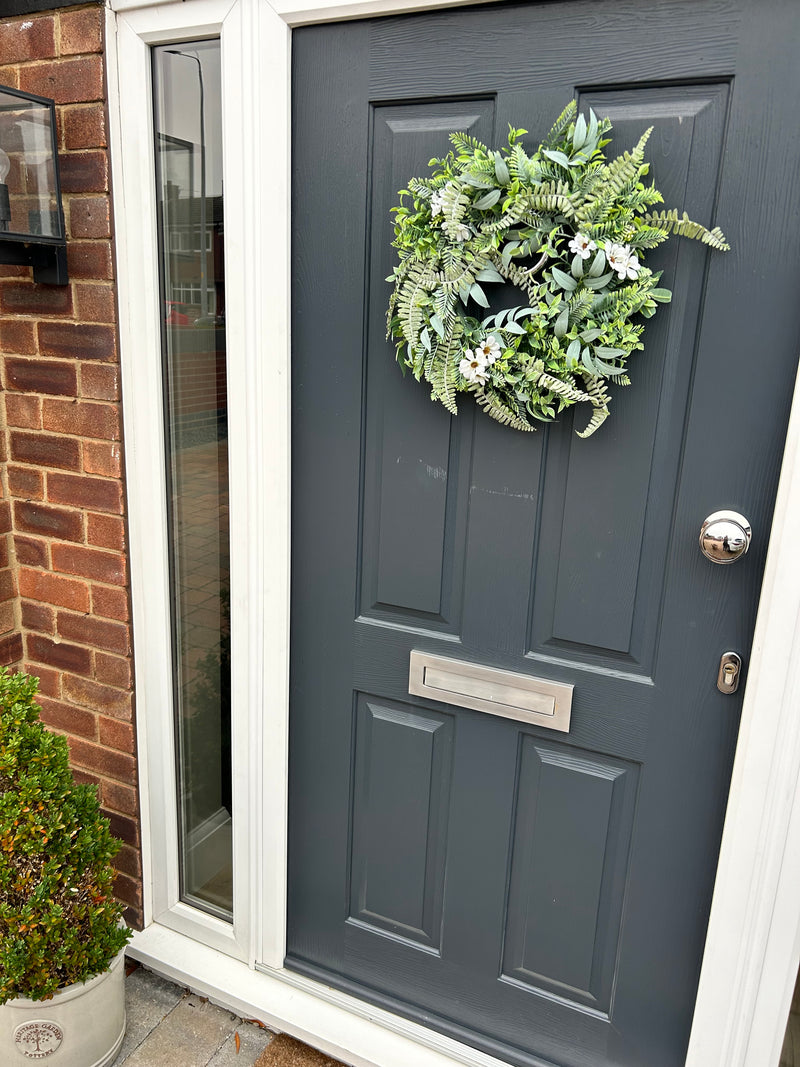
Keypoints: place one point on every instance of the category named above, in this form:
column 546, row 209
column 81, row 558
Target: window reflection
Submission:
column 188, row 146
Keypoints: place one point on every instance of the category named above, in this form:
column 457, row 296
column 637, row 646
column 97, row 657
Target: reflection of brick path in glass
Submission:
column 201, row 489
column 201, row 530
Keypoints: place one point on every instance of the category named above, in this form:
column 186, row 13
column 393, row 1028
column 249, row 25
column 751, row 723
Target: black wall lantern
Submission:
column 31, row 215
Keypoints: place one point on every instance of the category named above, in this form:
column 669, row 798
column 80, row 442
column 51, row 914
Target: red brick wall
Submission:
column 64, row 605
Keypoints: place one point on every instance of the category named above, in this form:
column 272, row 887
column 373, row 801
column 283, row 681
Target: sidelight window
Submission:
column 188, row 153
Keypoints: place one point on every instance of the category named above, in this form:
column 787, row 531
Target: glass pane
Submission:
column 188, row 130
column 28, row 192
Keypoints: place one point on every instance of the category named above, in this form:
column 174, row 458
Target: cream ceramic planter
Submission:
column 82, row 1026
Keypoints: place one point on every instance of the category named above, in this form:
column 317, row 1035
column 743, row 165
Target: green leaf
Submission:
column 489, row 274
column 579, row 135
column 573, row 352
column 598, row 264
column 501, row 170
column 478, row 295
column 591, row 335
column 587, row 361
column 438, row 325
column 607, row 368
column 577, row 266
column 514, row 327
column 598, row 283
column 425, row 337
column 663, row 296
column 591, row 136
column 562, row 323
column 609, row 353
column 476, row 183
column 488, row 201
column 557, row 157
column 563, row 280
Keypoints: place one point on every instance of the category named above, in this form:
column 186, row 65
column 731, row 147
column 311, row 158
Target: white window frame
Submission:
column 753, row 944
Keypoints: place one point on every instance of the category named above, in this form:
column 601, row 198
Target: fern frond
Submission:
column 580, row 306
column 561, row 124
column 684, row 227
column 648, row 236
column 463, row 142
column 498, row 410
column 569, row 392
column 455, row 204
column 599, row 416
column 599, row 398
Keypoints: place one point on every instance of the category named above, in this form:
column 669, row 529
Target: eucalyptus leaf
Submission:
column 608, row 353
column 588, row 362
column 514, row 327
column 557, row 157
column 598, row 264
column 577, row 266
column 487, row 201
column 574, row 352
column 579, row 135
column 501, row 170
column 489, row 274
column 477, row 183
column 598, row 283
column 562, row 323
column 607, row 368
column 478, row 295
column 564, row 280
column 437, row 324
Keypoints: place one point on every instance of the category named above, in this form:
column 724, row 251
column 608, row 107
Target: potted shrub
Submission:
column 62, row 940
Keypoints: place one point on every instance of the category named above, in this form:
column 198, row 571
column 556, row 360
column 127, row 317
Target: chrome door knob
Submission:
column 725, row 537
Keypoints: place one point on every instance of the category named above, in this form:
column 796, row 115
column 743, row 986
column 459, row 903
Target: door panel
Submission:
column 542, row 897
column 569, row 865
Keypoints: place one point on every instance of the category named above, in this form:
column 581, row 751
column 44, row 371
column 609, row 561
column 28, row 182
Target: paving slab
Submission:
column 252, row 1042
column 189, row 1036
column 148, row 1000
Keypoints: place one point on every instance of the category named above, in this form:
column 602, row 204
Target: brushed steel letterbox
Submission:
column 506, row 693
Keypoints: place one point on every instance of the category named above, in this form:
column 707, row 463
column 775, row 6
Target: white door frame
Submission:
column 753, row 944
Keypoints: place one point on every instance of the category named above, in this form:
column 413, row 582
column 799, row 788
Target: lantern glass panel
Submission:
column 29, row 205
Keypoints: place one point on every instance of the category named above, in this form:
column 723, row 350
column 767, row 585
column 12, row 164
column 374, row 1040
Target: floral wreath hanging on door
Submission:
column 564, row 226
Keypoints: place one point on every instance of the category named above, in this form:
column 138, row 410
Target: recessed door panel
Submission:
column 569, row 860
column 400, row 810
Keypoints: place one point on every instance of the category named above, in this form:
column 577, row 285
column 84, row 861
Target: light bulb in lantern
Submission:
column 5, row 205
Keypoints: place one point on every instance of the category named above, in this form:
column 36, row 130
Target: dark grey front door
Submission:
column 542, row 896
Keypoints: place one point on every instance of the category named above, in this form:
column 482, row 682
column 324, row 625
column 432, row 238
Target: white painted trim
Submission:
column 133, row 171
column 753, row 944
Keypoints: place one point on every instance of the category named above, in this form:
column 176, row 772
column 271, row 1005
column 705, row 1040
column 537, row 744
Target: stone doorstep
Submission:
column 171, row 1027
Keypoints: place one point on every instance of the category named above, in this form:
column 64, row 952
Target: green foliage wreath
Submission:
column 565, row 227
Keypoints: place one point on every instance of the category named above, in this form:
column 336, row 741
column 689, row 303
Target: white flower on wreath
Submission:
column 622, row 260
column 582, row 246
column 489, row 349
column 473, row 366
column 462, row 233
column 632, row 266
column 437, row 204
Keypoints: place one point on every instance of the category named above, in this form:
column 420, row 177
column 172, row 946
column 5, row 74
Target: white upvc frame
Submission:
column 753, row 944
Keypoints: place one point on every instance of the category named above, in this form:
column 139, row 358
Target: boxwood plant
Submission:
column 59, row 921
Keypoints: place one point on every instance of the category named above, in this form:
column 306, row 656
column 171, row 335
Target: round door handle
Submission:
column 725, row 537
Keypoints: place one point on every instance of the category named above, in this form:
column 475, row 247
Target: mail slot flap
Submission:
column 513, row 696
column 508, row 694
